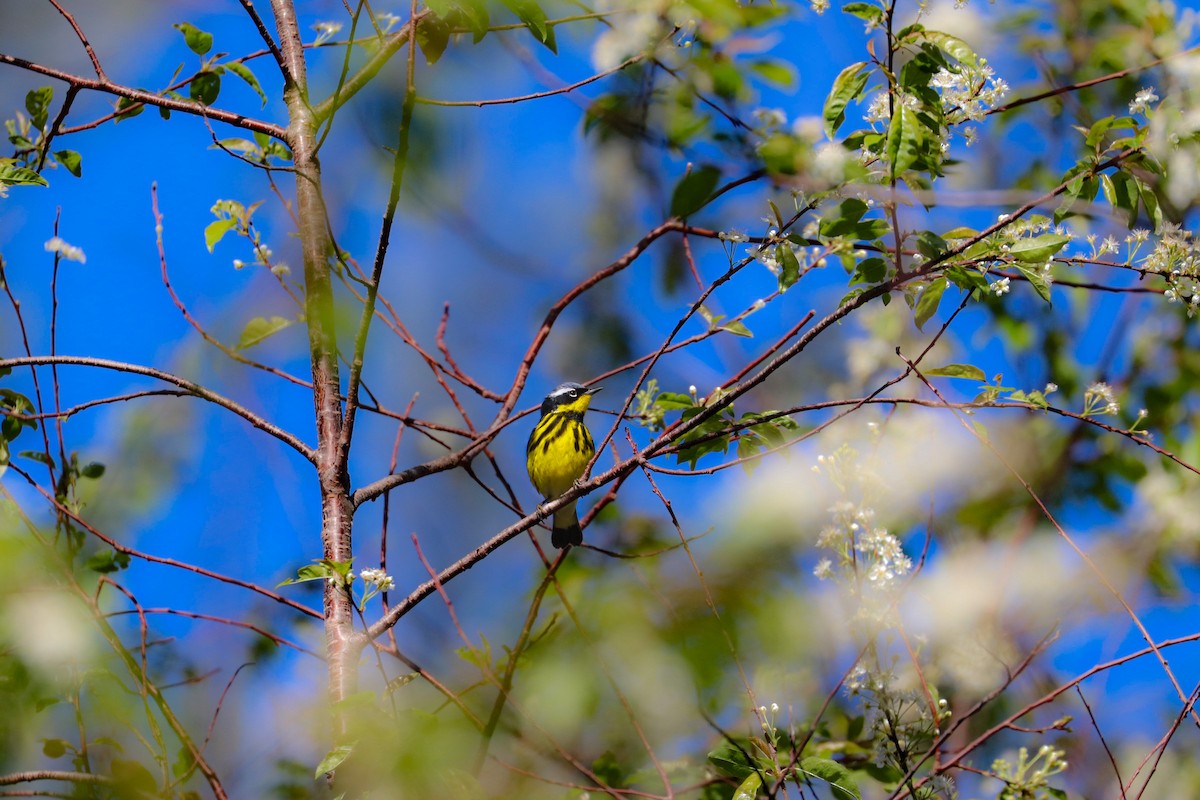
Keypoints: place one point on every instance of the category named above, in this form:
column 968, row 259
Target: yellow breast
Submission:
column 559, row 449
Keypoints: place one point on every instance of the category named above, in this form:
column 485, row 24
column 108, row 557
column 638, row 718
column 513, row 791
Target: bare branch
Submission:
column 148, row 98
column 194, row 389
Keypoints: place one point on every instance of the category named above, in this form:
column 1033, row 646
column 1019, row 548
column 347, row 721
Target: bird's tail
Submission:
column 566, row 529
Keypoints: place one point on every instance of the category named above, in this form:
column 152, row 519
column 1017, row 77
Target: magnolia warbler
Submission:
column 559, row 450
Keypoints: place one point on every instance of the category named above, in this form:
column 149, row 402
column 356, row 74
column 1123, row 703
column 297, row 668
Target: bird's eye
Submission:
column 573, row 394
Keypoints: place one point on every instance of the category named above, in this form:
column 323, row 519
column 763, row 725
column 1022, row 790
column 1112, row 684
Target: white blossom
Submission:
column 378, row 578
column 326, row 30
column 68, row 251
column 1142, row 100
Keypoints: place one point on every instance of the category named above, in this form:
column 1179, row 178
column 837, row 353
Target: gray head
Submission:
column 574, row 396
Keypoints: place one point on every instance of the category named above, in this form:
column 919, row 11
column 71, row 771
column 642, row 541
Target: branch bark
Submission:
column 337, row 512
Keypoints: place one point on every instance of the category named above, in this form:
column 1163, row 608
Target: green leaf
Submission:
column 133, row 778
column 870, row 270
column 844, row 221
column 869, row 12
column 871, row 229
column 727, row 79
column 608, row 769
column 967, row 279
column 54, row 748
column 243, row 72
column 846, row 87
column 673, row 401
column 904, row 142
column 198, row 41
column 954, row 46
column 1122, row 192
column 216, row 230
column 731, row 761
column 474, row 13
column 1036, row 280
column 928, row 301
column 184, row 762
column 747, row 446
column 205, row 87
column 1082, row 187
column 694, row 190
column 37, row 103
column 12, row 175
column 840, row 781
column 853, row 293
column 433, row 35
column 333, row 759
column 1150, row 200
column 775, row 71
column 1039, row 249
column 245, row 147
column 128, row 109
column 310, row 572
column 93, row 470
column 260, row 328
column 784, row 154
column 748, row 789
column 966, row 371
column 107, row 561
column 736, row 328
column 535, row 20
column 1095, row 135
column 789, row 271
column 930, row 245
column 69, row 159
column 34, row 455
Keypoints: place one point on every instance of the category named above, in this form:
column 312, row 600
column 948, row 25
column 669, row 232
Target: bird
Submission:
column 558, row 452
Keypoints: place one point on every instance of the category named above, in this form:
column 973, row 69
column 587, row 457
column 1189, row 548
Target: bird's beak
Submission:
column 594, row 389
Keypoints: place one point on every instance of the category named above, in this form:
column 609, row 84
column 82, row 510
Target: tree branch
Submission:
column 191, row 388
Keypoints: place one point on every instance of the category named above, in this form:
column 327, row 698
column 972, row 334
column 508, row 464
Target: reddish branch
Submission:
column 263, row 632
column 147, row 98
column 194, row 389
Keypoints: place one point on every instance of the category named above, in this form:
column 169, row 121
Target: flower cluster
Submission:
column 326, row 31
column 1098, row 400
column 1028, row 776
column 377, row 578
column 903, row 721
column 68, row 251
column 1176, row 257
column 1142, row 100
column 861, row 549
column 969, row 91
